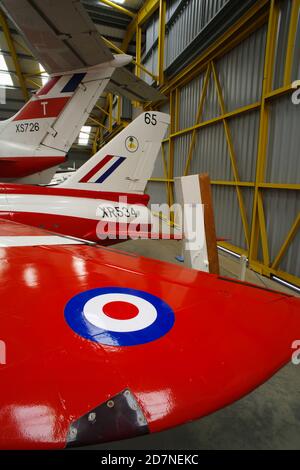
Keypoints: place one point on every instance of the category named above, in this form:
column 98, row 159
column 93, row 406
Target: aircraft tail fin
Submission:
column 126, row 163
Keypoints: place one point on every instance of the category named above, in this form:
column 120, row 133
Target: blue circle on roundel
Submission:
column 78, row 322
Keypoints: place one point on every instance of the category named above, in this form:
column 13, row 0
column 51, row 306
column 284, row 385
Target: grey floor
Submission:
column 268, row 418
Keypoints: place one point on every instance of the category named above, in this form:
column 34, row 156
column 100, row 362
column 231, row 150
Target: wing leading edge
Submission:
column 103, row 345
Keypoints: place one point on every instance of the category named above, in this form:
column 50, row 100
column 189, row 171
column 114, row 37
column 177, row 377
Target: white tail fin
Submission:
column 126, row 163
column 48, row 124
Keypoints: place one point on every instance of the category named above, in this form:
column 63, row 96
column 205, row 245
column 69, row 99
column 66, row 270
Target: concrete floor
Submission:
column 268, row 418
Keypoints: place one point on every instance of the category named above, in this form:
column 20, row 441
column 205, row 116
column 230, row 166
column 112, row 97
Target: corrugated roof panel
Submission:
column 227, row 215
column 281, row 209
column 244, row 133
column 211, row 153
column 181, row 150
column 240, row 71
column 189, row 101
column 296, row 63
column 186, row 22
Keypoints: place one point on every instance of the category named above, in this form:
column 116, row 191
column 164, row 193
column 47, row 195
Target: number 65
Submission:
column 150, row 119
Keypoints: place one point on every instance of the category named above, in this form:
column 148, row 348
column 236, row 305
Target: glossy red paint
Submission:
column 228, row 338
column 19, row 167
column 120, row 310
column 48, row 86
column 42, row 108
column 57, row 191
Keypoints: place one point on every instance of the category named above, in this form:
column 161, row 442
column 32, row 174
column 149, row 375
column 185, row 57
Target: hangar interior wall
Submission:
column 232, row 116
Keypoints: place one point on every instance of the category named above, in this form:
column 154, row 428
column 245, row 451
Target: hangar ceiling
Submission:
column 111, row 23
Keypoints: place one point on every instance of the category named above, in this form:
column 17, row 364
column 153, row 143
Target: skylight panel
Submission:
column 5, row 77
column 84, row 135
column 44, row 75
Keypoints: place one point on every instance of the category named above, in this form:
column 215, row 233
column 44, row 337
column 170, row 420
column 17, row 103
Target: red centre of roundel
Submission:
column 120, row 310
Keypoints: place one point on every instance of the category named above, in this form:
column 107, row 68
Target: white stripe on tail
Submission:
column 46, row 127
column 126, row 163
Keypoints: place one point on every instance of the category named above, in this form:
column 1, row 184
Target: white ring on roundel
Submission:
column 93, row 312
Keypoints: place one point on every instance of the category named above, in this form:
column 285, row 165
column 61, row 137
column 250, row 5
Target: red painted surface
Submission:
column 228, row 338
column 48, row 86
column 19, row 167
column 57, row 191
column 86, row 229
column 120, row 310
column 37, row 110
column 66, row 225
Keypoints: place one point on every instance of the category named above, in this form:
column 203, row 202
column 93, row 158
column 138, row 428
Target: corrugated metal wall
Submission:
column 240, row 72
column 281, row 208
column 185, row 19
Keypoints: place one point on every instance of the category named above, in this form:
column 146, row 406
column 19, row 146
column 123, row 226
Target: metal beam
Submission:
column 161, row 40
column 147, row 10
column 119, row 51
column 138, row 50
column 256, row 228
column 291, row 42
column 14, row 56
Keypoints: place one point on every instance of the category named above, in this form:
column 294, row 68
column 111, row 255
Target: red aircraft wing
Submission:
column 101, row 345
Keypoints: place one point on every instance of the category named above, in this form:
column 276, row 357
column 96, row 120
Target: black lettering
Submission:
column 111, row 211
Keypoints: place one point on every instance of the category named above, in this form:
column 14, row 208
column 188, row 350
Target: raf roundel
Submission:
column 118, row 316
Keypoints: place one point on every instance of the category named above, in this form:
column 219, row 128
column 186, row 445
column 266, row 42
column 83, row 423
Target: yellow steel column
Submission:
column 161, row 40
column 171, row 151
column 177, row 108
column 263, row 229
column 165, row 167
column 263, row 132
column 14, row 56
column 95, row 141
column 138, row 51
column 110, row 117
